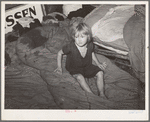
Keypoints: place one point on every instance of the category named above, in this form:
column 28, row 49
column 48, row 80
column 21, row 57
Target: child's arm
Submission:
column 102, row 66
column 59, row 59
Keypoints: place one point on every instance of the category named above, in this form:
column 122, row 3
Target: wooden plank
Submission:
column 111, row 53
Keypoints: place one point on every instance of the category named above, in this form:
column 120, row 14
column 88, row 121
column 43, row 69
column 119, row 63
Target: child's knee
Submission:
column 100, row 74
column 79, row 77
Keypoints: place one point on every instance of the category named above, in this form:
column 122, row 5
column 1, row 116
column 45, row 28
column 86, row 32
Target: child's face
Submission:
column 81, row 39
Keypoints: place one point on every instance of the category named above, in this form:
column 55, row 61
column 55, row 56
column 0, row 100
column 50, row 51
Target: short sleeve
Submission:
column 66, row 49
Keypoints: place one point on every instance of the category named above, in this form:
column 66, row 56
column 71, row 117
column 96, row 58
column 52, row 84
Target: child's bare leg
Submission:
column 100, row 83
column 82, row 82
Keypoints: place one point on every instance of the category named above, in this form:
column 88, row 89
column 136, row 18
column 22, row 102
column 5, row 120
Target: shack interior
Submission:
column 31, row 58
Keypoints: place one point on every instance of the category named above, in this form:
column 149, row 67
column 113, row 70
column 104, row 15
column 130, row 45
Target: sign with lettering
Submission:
column 12, row 15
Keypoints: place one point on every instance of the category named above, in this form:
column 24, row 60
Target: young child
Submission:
column 80, row 54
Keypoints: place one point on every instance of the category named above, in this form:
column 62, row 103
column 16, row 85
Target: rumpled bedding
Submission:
column 121, row 28
column 30, row 81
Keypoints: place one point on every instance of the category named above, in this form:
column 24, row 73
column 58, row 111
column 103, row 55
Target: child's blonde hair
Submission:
column 84, row 29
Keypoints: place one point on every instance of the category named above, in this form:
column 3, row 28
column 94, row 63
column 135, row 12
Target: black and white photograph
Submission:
column 75, row 60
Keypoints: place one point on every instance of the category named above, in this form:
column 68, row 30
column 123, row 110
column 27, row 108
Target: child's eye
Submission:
column 82, row 36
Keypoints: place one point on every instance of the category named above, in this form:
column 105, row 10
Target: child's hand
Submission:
column 102, row 66
column 58, row 70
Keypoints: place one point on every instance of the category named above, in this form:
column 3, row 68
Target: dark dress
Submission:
column 76, row 64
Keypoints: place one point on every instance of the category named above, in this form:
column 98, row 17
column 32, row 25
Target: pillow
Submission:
column 107, row 23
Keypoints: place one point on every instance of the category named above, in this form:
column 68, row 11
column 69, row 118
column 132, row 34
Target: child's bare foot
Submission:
column 103, row 96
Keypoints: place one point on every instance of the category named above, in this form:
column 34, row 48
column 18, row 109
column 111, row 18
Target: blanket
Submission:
column 30, row 81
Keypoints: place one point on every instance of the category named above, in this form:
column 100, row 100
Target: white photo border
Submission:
column 79, row 114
